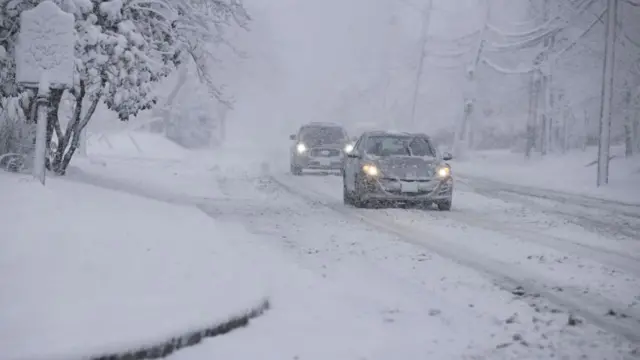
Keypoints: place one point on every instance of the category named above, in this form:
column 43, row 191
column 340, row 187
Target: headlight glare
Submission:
column 348, row 148
column 443, row 172
column 370, row 170
column 301, row 148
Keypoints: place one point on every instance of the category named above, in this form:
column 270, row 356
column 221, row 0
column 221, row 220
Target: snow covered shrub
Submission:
column 16, row 135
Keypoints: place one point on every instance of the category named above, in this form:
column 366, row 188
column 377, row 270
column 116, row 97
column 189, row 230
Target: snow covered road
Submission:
column 515, row 247
column 492, row 278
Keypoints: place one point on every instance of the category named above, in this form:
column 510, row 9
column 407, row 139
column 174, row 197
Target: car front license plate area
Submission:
column 409, row 187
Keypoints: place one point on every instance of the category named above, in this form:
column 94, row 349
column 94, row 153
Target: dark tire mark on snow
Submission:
column 187, row 339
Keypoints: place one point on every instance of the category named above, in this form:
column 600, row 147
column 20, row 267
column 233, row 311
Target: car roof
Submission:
column 322, row 124
column 393, row 133
column 386, row 133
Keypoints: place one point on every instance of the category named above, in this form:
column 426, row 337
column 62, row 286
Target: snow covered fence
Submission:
column 190, row 338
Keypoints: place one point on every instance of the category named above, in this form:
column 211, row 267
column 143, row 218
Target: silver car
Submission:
column 319, row 146
column 386, row 167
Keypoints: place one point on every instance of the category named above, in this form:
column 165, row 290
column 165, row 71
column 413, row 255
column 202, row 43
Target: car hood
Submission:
column 338, row 146
column 407, row 167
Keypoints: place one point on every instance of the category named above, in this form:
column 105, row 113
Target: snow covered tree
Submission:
column 123, row 48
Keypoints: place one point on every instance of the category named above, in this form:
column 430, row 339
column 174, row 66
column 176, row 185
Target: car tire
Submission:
column 346, row 196
column 444, row 205
column 357, row 196
column 296, row 170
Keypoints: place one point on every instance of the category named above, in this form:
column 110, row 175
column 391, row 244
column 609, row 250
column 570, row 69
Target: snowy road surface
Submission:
column 498, row 277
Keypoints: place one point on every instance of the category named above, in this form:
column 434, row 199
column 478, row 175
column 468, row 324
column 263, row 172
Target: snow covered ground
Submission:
column 86, row 270
column 496, row 278
column 573, row 172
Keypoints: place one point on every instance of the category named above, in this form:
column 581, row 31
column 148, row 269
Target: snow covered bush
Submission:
column 16, row 135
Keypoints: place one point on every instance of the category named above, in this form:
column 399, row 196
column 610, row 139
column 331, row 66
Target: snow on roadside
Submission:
column 133, row 144
column 567, row 172
column 87, row 270
column 157, row 167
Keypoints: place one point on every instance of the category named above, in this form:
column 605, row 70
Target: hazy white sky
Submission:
column 355, row 61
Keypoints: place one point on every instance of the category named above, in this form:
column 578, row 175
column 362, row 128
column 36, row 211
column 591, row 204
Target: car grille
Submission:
column 393, row 180
column 324, row 152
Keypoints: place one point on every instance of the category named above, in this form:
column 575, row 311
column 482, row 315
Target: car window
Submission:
column 388, row 146
column 314, row 136
column 399, row 146
column 420, row 146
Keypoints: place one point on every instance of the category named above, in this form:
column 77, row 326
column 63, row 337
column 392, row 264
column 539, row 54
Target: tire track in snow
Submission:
column 599, row 215
column 614, row 206
column 622, row 261
column 604, row 255
column 507, row 275
column 615, row 225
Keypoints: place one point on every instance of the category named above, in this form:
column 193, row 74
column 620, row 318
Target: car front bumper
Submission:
column 320, row 163
column 391, row 190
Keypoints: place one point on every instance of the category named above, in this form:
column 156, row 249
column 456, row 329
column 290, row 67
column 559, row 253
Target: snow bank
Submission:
column 134, row 144
column 568, row 172
column 85, row 270
column 186, row 174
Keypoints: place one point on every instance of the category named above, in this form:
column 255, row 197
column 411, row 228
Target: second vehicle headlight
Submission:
column 348, row 148
column 301, row 148
column 370, row 170
column 443, row 172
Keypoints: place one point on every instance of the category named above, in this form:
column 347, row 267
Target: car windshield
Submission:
column 322, row 135
column 399, row 146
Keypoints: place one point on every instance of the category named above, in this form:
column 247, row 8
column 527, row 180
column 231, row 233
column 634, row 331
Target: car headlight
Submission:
column 443, row 172
column 348, row 148
column 301, row 148
column 370, row 170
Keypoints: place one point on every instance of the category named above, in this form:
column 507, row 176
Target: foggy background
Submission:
column 356, row 61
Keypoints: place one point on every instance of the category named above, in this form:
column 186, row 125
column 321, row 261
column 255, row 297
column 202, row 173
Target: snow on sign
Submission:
column 45, row 45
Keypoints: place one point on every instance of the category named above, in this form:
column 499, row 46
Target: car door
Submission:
column 353, row 164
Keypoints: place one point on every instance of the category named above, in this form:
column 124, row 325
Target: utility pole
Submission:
column 462, row 135
column 532, row 121
column 426, row 20
column 607, row 93
column 547, row 101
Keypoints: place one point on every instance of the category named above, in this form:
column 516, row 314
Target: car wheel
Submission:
column 296, row 170
column 346, row 197
column 444, row 205
column 357, row 196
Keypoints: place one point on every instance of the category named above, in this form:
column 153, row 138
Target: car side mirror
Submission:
column 354, row 155
column 292, row 137
column 446, row 156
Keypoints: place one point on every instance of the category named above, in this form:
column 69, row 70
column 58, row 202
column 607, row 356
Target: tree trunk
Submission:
column 636, row 130
column 534, row 91
column 77, row 131
column 628, row 138
column 585, row 140
column 63, row 143
column 52, row 121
